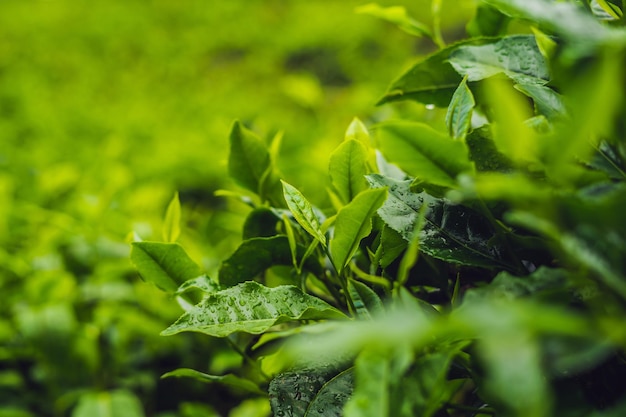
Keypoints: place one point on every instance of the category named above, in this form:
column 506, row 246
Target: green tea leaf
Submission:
column 424, row 153
column 452, row 233
column 488, row 21
column 256, row 255
column 108, row 404
column 166, row 265
column 366, row 301
column 459, row 115
column 518, row 57
column 347, row 169
column 202, row 283
column 303, row 212
column 261, row 222
column 371, row 397
column 249, row 158
column 251, row 308
column 547, row 101
column 357, row 131
column 229, row 380
column 396, row 15
column 317, row 392
column 171, row 224
column 353, row 224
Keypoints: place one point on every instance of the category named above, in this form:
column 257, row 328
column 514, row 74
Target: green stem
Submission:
column 489, row 411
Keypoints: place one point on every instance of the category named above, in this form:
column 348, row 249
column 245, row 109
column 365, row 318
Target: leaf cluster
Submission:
column 475, row 267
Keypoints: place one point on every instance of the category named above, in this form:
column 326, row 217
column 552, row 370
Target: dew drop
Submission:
column 430, row 107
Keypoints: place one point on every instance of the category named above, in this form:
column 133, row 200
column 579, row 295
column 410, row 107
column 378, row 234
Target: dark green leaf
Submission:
column 261, row 222
column 424, row 153
column 484, row 154
column 166, row 265
column 228, row 380
column 547, row 101
column 487, row 21
column 353, row 223
column 252, row 308
column 392, row 244
column 459, row 115
column 258, row 254
column 311, row 392
column 518, row 57
column 452, row 233
column 347, row 169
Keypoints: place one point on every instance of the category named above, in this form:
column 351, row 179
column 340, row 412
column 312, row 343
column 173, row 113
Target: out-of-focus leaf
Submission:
column 256, row 255
column 347, row 169
column 371, row 396
column 311, row 392
column 303, row 212
column 166, row 265
column 229, row 380
column 353, row 223
column 252, row 308
column 108, row 404
column 261, row 222
column 250, row 164
column 547, row 101
column 171, row 224
column 487, row 21
column 518, row 57
column 366, row 301
column 424, row 153
column 561, row 18
column 357, row 131
column 459, row 115
column 483, row 152
column 396, row 15
column 452, row 233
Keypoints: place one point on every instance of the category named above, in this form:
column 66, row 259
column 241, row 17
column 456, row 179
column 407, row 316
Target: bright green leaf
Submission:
column 303, row 212
column 108, row 404
column 202, row 283
column 347, row 169
column 353, row 224
column 424, row 153
column 459, row 115
column 166, row 265
column 171, row 224
column 396, row 15
column 229, row 380
column 251, row 308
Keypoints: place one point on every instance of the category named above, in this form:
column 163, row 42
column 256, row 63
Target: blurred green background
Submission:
column 108, row 107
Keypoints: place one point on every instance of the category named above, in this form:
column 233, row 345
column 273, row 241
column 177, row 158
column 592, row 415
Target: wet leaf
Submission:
column 251, row 308
column 518, row 57
column 452, row 233
column 311, row 392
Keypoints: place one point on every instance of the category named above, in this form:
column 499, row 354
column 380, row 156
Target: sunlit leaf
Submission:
column 166, row 265
column 251, row 308
column 424, row 153
column 303, row 212
column 396, row 15
column 229, row 380
column 353, row 224
column 171, row 224
column 108, row 404
column 347, row 169
column 459, row 115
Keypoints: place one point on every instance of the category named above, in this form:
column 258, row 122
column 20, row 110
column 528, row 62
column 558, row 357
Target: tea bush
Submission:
column 469, row 262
